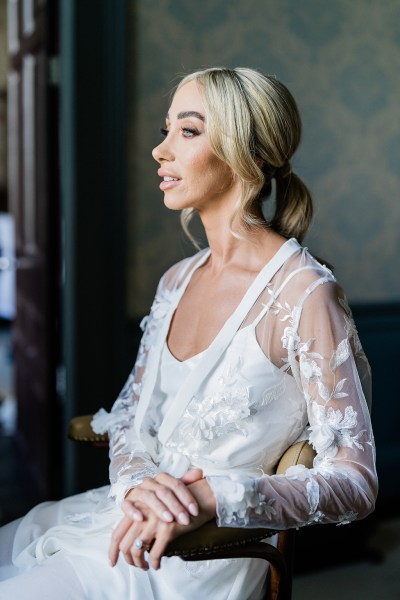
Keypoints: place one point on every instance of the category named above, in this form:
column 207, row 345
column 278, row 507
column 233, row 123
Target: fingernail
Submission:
column 136, row 516
column 194, row 509
column 183, row 518
column 167, row 516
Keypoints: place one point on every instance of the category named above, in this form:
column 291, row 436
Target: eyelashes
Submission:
column 187, row 132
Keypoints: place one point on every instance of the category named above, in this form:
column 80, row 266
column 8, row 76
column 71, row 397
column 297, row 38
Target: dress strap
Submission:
column 155, row 351
column 223, row 339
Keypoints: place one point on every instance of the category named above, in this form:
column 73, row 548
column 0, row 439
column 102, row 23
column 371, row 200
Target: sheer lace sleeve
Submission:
column 130, row 462
column 310, row 335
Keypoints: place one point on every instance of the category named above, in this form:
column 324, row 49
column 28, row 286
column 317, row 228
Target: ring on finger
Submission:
column 138, row 543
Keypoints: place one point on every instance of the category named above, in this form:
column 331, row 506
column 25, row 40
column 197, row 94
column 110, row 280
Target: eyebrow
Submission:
column 189, row 113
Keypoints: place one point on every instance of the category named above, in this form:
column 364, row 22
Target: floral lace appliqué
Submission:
column 331, row 429
column 347, row 518
column 243, row 497
column 221, row 413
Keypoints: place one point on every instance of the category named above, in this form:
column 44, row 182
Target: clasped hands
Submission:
column 156, row 512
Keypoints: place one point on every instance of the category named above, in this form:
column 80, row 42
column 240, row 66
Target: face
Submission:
column 192, row 175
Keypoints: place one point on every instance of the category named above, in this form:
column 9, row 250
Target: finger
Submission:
column 149, row 499
column 192, row 476
column 138, row 554
column 116, row 537
column 164, row 537
column 137, row 541
column 126, row 543
column 182, row 502
column 133, row 554
column 130, row 510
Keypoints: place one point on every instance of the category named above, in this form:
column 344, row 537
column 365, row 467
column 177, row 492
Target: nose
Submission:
column 163, row 151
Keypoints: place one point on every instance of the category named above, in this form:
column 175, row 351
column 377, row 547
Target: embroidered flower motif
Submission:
column 290, row 339
column 312, row 489
column 161, row 304
column 151, row 327
column 104, row 421
column 217, row 414
column 350, row 327
column 235, row 496
column 340, row 355
column 220, row 413
column 347, row 518
column 309, row 369
column 264, row 507
column 143, row 323
column 299, row 472
column 276, row 308
column 325, row 467
column 331, row 430
column 317, row 517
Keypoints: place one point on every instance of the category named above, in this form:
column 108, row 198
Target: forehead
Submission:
column 187, row 99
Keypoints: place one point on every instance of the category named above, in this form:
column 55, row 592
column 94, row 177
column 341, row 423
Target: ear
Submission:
column 259, row 162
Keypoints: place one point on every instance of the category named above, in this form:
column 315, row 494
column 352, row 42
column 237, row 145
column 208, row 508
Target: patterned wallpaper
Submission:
column 341, row 60
column 3, row 43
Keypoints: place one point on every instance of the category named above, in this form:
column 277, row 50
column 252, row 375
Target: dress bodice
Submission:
column 243, row 417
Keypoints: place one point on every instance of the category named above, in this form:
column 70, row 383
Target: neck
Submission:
column 250, row 250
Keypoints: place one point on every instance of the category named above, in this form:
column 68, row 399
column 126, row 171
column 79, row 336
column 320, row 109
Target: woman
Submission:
column 249, row 346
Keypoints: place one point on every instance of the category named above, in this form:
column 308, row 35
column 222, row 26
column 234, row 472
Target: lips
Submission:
column 167, row 175
column 170, row 180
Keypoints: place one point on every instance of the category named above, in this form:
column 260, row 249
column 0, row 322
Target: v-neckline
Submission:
column 248, row 293
column 220, row 343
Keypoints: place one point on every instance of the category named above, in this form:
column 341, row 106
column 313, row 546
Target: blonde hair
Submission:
column 253, row 125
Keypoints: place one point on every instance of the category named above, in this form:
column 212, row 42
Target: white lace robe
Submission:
column 287, row 365
column 294, row 370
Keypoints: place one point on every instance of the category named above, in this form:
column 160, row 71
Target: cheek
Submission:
column 221, row 173
column 207, row 170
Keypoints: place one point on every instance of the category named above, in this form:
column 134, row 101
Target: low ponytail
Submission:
column 294, row 208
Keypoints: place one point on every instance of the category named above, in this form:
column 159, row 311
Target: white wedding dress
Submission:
column 287, row 365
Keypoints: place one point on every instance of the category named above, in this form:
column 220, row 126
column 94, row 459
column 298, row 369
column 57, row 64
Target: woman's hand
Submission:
column 156, row 533
column 168, row 497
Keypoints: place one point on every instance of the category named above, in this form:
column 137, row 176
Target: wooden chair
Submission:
column 212, row 542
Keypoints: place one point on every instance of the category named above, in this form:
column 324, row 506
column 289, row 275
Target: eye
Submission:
column 188, row 132
column 163, row 131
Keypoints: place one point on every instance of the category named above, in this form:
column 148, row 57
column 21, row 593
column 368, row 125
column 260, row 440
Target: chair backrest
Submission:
column 300, row 453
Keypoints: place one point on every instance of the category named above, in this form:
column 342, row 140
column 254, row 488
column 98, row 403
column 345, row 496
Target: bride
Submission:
column 249, row 347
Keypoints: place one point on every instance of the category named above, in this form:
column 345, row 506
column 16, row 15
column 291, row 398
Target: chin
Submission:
column 174, row 204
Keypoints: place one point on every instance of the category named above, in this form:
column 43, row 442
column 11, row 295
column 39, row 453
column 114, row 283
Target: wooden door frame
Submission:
column 93, row 175
column 34, row 201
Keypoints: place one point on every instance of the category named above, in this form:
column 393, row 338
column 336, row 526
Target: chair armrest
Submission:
column 211, row 541
column 210, row 538
column 80, row 430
